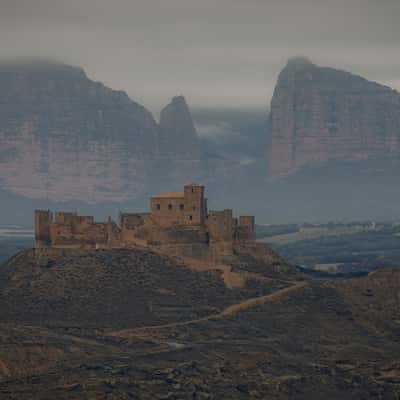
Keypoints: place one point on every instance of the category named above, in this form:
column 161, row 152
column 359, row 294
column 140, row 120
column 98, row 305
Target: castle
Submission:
column 178, row 223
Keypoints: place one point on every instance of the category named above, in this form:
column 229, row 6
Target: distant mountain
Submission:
column 67, row 142
column 178, row 136
column 64, row 137
column 320, row 114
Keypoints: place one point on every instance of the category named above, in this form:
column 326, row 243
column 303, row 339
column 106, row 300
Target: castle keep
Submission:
column 178, row 223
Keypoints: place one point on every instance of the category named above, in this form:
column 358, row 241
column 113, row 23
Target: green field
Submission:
column 341, row 247
column 317, row 232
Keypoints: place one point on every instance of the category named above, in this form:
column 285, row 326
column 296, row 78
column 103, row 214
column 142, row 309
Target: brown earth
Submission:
column 276, row 337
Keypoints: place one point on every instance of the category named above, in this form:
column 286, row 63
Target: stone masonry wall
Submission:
column 167, row 228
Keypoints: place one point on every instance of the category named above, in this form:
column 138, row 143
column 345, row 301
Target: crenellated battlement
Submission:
column 177, row 223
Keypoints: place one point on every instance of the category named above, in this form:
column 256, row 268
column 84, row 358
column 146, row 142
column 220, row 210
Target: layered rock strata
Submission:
column 320, row 114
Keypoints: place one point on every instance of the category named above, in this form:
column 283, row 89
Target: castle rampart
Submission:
column 178, row 223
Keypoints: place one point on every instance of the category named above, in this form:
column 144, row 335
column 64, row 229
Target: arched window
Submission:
column 158, row 206
column 181, row 207
column 169, row 206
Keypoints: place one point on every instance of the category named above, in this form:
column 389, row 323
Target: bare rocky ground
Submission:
column 135, row 325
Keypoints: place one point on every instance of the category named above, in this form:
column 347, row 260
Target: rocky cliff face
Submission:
column 178, row 136
column 66, row 137
column 63, row 136
column 322, row 114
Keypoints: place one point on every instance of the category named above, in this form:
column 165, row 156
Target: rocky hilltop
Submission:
column 321, row 114
column 138, row 325
column 116, row 289
column 66, row 137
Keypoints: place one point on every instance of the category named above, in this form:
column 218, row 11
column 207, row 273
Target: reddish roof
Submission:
column 194, row 184
column 169, row 195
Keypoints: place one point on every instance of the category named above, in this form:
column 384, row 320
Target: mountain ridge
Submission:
column 65, row 137
column 321, row 114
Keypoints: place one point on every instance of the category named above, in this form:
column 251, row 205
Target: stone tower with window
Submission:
column 195, row 204
column 180, row 208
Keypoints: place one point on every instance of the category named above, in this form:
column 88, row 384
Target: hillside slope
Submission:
column 112, row 289
column 281, row 338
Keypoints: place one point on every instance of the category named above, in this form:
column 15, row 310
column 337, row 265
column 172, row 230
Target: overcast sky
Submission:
column 218, row 53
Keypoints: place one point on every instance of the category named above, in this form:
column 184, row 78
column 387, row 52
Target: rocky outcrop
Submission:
column 65, row 137
column 321, row 114
column 178, row 136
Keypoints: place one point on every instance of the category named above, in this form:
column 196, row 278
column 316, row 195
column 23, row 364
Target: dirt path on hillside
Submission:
column 231, row 310
column 255, row 301
column 231, row 279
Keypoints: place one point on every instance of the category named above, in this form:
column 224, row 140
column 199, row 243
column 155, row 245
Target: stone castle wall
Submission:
column 181, row 208
column 168, row 211
column 177, row 224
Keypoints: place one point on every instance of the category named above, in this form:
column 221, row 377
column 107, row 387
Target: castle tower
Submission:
column 246, row 224
column 43, row 220
column 220, row 226
column 195, row 204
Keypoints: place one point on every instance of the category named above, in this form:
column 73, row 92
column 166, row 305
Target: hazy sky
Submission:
column 218, row 53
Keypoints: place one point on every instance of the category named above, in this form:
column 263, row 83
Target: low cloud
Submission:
column 218, row 53
column 217, row 130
